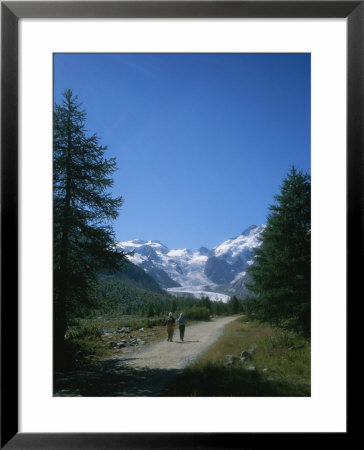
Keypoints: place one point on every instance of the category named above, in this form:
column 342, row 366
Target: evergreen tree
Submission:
column 173, row 307
column 83, row 209
column 233, row 305
column 151, row 310
column 206, row 303
column 281, row 279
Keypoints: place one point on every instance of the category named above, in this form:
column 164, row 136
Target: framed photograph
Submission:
column 224, row 106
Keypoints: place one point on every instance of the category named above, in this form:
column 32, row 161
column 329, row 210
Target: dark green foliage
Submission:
column 135, row 276
column 196, row 313
column 206, row 302
column 281, row 281
column 234, row 305
column 212, row 380
column 151, row 310
column 219, row 308
column 115, row 297
column 83, row 209
column 174, row 305
column 82, row 331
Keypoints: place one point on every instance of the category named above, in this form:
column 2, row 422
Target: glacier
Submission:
column 204, row 272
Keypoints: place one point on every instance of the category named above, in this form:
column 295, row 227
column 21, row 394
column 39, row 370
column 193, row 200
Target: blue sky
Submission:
column 202, row 141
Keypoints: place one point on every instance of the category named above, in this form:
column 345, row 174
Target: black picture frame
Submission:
column 11, row 12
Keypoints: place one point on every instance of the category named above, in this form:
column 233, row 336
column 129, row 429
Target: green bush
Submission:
column 83, row 331
column 280, row 340
column 197, row 313
column 81, row 351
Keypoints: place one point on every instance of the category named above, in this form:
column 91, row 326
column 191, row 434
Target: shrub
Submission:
column 197, row 313
column 84, row 331
column 280, row 340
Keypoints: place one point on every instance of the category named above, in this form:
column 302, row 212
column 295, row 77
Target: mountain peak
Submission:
column 248, row 230
column 155, row 242
column 218, row 269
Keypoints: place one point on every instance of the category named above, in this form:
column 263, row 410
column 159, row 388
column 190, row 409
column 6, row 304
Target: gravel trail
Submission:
column 176, row 354
column 142, row 373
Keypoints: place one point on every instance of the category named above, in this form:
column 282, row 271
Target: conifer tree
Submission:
column 83, row 209
column 206, row 302
column 234, row 304
column 281, row 275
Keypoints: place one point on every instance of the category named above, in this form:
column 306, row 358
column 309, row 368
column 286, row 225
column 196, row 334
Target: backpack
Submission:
column 170, row 320
column 181, row 320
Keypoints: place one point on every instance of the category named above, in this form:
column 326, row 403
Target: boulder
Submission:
column 228, row 360
column 246, row 355
column 253, row 348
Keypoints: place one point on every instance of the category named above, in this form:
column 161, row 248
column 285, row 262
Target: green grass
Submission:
column 88, row 340
column 281, row 364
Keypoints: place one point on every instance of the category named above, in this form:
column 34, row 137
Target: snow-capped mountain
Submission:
column 228, row 261
column 215, row 273
column 171, row 268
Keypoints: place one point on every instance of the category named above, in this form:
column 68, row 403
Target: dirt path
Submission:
column 143, row 373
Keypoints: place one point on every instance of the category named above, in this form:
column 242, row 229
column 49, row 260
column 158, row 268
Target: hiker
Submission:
column 170, row 326
column 182, row 325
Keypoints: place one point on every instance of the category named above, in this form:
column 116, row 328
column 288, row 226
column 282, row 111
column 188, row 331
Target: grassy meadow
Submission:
column 277, row 364
column 248, row 360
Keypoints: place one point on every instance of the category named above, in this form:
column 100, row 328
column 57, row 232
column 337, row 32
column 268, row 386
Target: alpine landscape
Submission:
column 181, row 225
column 219, row 273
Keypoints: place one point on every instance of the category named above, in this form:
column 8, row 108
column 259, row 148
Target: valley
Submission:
column 218, row 273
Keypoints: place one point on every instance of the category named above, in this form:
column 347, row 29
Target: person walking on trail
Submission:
column 170, row 326
column 182, row 325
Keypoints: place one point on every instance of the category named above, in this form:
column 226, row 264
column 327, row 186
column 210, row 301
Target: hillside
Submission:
column 133, row 292
column 132, row 275
column 129, row 291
